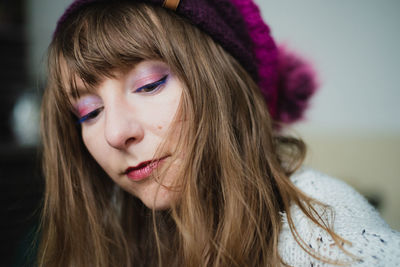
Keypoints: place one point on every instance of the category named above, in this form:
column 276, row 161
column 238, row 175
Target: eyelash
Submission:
column 90, row 115
column 152, row 86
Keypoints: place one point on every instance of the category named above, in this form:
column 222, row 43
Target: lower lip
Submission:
column 144, row 172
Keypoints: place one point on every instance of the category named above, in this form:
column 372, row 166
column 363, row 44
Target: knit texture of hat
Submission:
column 286, row 81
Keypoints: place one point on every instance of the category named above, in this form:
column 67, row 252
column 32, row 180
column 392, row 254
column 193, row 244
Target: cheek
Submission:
column 95, row 146
column 169, row 127
column 88, row 140
column 160, row 115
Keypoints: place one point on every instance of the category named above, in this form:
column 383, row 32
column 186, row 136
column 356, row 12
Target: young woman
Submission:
column 162, row 148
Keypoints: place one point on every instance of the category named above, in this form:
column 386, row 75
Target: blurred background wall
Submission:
column 352, row 127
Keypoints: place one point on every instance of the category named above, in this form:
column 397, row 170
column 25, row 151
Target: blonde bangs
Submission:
column 98, row 41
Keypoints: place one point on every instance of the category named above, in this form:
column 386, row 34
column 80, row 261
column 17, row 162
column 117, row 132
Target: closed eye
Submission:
column 91, row 115
column 152, row 87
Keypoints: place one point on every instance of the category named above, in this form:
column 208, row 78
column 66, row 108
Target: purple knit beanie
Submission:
column 286, row 81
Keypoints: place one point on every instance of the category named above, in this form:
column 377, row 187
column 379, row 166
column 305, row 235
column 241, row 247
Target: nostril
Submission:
column 130, row 140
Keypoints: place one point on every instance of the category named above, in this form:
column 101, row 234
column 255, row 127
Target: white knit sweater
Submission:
column 373, row 242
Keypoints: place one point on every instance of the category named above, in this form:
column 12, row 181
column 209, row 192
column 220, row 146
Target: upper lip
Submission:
column 143, row 164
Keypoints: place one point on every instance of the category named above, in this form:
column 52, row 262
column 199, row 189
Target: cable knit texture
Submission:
column 373, row 242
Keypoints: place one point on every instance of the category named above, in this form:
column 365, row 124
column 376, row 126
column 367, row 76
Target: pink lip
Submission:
column 143, row 169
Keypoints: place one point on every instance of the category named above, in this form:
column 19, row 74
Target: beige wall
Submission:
column 369, row 163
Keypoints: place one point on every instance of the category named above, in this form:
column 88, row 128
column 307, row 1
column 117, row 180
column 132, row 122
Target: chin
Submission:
column 161, row 200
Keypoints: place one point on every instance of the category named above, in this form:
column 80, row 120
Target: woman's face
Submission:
column 124, row 123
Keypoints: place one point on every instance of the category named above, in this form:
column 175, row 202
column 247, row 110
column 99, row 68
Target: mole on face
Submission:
column 159, row 127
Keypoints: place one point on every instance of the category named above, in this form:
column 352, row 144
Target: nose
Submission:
column 122, row 128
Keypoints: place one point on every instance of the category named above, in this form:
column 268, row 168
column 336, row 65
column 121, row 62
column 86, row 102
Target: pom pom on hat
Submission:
column 296, row 84
column 286, row 80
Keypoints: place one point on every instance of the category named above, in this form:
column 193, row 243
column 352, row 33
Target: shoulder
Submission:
column 344, row 199
column 373, row 242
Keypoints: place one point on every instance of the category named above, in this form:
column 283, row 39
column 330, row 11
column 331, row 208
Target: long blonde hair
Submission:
column 235, row 177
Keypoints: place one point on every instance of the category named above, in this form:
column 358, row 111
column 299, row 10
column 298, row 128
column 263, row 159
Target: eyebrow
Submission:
column 76, row 89
column 75, row 93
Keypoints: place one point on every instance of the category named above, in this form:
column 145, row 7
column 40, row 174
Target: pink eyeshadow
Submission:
column 87, row 104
